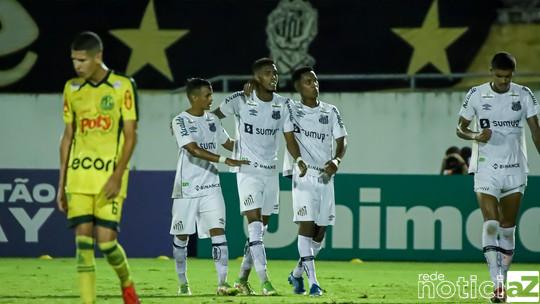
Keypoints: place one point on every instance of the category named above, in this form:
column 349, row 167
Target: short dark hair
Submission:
column 503, row 61
column 87, row 41
column 259, row 63
column 193, row 84
column 297, row 74
column 451, row 150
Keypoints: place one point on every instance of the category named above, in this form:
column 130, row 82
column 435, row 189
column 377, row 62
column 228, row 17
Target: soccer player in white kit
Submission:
column 321, row 135
column 198, row 201
column 260, row 118
column 499, row 159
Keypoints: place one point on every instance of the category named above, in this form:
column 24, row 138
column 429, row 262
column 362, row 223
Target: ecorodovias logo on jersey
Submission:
column 291, row 27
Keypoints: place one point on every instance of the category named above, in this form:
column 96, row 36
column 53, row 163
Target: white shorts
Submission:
column 258, row 192
column 499, row 186
column 205, row 212
column 313, row 200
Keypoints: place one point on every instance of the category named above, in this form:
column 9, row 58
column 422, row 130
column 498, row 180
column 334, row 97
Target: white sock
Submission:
column 299, row 269
column 307, row 258
column 180, row 257
column 256, row 247
column 490, row 248
column 247, row 262
column 316, row 247
column 220, row 253
column 507, row 245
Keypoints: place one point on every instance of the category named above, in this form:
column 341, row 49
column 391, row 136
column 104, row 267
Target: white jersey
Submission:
column 505, row 152
column 315, row 130
column 259, row 125
column 196, row 177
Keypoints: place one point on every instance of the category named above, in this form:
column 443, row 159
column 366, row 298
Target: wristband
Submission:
column 298, row 159
column 336, row 162
column 222, row 159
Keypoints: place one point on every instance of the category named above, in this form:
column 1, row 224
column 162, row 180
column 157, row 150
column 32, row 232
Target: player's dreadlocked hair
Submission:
column 503, row 61
column 87, row 41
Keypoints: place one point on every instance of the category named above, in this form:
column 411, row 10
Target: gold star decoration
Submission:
column 148, row 43
column 430, row 41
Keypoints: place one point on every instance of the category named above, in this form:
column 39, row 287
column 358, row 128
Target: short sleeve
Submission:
column 182, row 134
column 68, row 112
column 338, row 127
column 222, row 135
column 288, row 125
column 230, row 106
column 129, row 101
column 531, row 103
column 467, row 108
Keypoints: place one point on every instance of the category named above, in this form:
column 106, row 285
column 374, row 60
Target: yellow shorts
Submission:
column 94, row 208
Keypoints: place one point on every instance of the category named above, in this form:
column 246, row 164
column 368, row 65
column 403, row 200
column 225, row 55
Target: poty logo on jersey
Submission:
column 522, row 287
column 100, row 123
column 516, row 106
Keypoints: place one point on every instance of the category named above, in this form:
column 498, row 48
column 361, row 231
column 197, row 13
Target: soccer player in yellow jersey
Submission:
column 100, row 118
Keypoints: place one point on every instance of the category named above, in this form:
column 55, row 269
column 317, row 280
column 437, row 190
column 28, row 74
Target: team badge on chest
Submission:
column 276, row 115
column 323, row 119
column 516, row 106
column 212, row 127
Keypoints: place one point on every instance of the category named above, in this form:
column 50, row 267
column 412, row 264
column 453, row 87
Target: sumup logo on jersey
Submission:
column 291, row 28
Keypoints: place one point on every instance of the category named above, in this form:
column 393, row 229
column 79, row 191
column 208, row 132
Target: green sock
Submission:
column 116, row 256
column 86, row 268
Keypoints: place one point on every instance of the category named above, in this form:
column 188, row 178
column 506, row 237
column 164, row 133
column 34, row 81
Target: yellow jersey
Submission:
column 97, row 112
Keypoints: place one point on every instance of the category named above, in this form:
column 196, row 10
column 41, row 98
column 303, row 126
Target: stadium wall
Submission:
column 390, row 133
column 399, row 211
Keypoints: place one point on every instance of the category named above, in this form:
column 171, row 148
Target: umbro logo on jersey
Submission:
column 486, row 107
column 212, row 126
column 253, row 112
column 193, row 129
column 276, row 115
column 179, row 226
column 323, row 119
column 300, row 114
column 302, row 211
column 248, row 128
column 249, row 201
column 331, row 217
column 516, row 106
column 221, row 221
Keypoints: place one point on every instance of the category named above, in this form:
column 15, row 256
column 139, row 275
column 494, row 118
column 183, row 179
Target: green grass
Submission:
column 54, row 281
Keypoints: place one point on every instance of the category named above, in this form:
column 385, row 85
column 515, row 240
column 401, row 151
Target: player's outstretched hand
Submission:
column 330, row 168
column 112, row 187
column 303, row 167
column 236, row 163
column 484, row 136
column 61, row 200
column 249, row 87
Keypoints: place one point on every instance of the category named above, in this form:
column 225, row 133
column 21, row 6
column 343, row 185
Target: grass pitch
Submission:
column 55, row 281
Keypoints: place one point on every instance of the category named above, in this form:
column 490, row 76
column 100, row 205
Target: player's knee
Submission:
column 491, row 227
column 507, row 233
